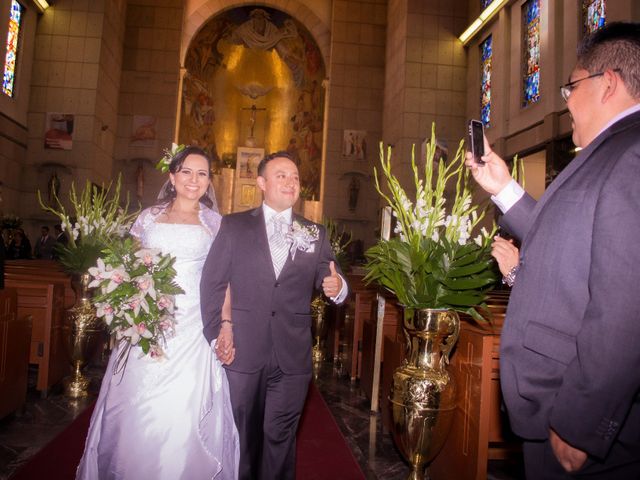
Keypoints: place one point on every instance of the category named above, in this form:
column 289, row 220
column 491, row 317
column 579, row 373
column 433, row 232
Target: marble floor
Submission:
column 24, row 433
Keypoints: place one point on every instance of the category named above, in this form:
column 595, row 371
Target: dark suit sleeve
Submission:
column 600, row 385
column 517, row 220
column 214, row 281
column 325, row 257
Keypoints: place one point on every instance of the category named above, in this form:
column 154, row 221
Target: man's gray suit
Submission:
column 271, row 317
column 570, row 348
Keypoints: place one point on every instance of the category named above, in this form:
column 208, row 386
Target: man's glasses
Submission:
column 567, row 88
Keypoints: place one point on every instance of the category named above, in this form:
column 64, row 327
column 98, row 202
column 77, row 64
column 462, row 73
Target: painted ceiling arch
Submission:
column 199, row 12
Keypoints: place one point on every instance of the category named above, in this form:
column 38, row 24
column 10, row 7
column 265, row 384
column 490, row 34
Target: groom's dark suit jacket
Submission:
column 268, row 314
column 570, row 348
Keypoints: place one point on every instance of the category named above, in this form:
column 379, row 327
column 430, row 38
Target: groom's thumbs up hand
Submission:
column 332, row 284
column 332, row 269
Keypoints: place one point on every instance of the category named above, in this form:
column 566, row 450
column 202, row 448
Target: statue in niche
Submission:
column 53, row 187
column 140, row 181
column 354, row 191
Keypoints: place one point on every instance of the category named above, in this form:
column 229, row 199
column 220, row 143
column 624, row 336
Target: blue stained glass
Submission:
column 593, row 15
column 531, row 29
column 486, row 54
column 13, row 36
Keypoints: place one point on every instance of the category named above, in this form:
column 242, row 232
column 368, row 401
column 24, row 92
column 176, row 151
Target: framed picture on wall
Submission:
column 354, row 144
column 245, row 190
column 247, row 195
column 247, row 162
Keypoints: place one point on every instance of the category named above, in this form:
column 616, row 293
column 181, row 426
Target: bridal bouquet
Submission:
column 137, row 296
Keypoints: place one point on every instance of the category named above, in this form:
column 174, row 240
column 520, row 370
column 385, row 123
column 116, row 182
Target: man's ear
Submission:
column 260, row 181
column 612, row 82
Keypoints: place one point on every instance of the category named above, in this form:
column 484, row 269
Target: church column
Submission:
column 176, row 131
column 326, row 85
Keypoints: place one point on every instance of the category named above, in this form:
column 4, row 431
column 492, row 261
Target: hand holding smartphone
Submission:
column 476, row 140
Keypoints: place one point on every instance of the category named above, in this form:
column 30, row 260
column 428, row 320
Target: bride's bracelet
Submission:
column 510, row 278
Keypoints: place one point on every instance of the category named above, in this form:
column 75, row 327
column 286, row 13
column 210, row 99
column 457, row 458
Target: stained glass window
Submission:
column 484, row 4
column 531, row 29
column 593, row 15
column 12, row 48
column 486, row 54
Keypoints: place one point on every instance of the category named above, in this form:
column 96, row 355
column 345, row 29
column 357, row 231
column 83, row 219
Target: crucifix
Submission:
column 252, row 122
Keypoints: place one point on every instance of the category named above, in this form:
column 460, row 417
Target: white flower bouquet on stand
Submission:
column 434, row 261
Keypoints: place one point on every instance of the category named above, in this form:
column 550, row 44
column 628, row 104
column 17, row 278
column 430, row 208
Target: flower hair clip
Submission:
column 165, row 161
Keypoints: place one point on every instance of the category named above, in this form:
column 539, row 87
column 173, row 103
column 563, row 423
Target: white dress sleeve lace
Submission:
column 147, row 216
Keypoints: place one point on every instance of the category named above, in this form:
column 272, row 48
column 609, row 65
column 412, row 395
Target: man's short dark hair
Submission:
column 45, row 228
column 58, row 227
column 616, row 46
column 263, row 163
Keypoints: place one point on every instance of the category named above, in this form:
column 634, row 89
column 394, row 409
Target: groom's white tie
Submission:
column 278, row 242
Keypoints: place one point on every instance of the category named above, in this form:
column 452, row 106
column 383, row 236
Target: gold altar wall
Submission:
column 254, row 79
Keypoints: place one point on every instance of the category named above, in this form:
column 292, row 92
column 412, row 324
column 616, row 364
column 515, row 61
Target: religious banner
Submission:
column 143, row 131
column 58, row 132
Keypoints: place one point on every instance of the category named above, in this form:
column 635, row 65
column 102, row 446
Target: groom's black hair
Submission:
column 263, row 163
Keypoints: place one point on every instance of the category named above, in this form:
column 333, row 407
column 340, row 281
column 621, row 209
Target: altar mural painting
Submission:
column 254, row 81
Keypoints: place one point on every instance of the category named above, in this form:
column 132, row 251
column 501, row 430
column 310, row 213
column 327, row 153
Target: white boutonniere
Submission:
column 302, row 238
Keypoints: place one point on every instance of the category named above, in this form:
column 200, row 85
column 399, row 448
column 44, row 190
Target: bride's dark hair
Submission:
column 168, row 192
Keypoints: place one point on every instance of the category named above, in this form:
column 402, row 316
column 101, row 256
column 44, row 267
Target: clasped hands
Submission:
column 225, row 350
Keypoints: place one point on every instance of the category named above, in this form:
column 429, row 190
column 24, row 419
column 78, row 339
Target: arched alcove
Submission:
column 252, row 84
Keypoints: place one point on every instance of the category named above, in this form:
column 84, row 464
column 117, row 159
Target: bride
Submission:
column 170, row 419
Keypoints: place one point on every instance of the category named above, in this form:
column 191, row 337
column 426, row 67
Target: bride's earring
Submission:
column 172, row 188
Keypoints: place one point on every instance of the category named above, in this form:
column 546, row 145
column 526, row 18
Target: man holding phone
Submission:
column 569, row 348
column 476, row 140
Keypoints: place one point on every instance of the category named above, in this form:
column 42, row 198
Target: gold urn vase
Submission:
column 318, row 328
column 423, row 395
column 83, row 333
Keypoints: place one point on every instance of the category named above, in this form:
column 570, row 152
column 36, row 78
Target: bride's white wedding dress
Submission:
column 167, row 419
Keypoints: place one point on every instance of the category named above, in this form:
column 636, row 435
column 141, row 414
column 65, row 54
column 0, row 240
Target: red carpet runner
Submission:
column 322, row 451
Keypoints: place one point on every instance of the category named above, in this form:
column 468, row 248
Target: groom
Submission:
column 272, row 260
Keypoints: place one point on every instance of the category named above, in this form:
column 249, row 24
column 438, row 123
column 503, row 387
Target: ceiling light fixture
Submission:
column 486, row 15
column 41, row 4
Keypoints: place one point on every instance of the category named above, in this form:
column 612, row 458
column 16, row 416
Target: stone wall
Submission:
column 149, row 88
column 356, row 89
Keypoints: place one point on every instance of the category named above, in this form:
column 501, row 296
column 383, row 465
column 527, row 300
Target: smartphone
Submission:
column 476, row 140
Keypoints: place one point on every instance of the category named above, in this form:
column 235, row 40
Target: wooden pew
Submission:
column 480, row 430
column 15, row 336
column 360, row 307
column 49, row 269
column 41, row 294
column 391, row 328
column 335, row 316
